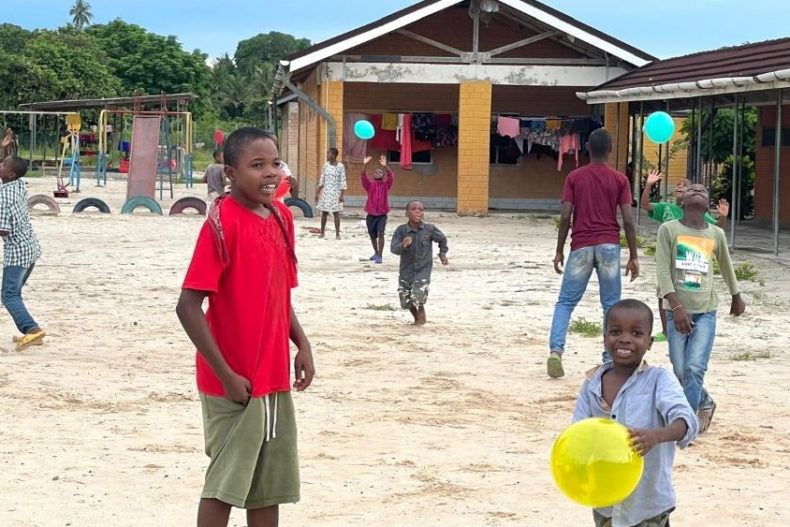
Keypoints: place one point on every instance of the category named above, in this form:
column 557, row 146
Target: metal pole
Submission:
column 638, row 176
column 777, row 168
column 476, row 35
column 734, row 185
column 666, row 164
column 698, row 169
column 617, row 138
column 737, row 217
column 710, row 141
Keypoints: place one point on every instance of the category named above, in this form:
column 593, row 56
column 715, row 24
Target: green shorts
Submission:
column 413, row 294
column 247, row 470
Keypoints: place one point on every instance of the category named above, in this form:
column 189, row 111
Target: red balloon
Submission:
column 282, row 190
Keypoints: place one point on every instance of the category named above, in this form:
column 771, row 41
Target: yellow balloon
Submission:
column 593, row 463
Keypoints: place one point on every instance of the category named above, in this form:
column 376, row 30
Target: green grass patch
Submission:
column 381, row 307
column 585, row 328
column 641, row 241
column 751, row 356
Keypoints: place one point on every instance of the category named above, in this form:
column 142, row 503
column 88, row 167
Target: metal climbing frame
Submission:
column 101, row 172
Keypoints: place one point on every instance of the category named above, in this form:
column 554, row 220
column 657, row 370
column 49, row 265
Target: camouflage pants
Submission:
column 662, row 520
column 413, row 294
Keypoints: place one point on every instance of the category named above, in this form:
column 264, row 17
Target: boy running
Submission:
column 21, row 250
column 650, row 402
column 378, row 204
column 245, row 264
column 684, row 266
column 663, row 212
column 413, row 242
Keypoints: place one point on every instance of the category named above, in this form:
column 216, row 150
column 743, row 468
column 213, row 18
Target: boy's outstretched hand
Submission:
column 643, row 441
column 654, row 177
column 723, row 207
column 738, row 306
column 383, row 160
column 304, row 369
column 444, row 260
column 368, row 159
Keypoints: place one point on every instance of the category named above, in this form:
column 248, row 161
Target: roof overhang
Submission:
column 531, row 9
column 771, row 80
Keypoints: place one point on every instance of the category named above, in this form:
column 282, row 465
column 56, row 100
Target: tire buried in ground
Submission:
column 88, row 203
column 189, row 202
column 141, row 201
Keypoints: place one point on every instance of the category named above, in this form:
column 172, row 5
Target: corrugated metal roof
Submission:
column 86, row 104
column 748, row 60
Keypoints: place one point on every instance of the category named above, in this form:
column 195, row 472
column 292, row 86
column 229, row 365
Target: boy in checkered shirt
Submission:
column 21, row 249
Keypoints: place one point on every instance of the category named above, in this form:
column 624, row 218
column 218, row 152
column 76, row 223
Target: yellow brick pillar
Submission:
column 333, row 102
column 612, row 119
column 474, row 138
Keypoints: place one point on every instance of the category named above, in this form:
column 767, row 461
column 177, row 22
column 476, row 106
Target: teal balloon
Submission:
column 659, row 127
column 364, row 130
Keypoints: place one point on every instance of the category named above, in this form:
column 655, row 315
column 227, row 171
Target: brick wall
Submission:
column 764, row 168
column 333, row 93
column 289, row 144
column 619, row 157
column 474, row 136
column 678, row 165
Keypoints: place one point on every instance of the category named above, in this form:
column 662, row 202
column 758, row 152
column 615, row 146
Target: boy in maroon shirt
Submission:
column 592, row 194
column 378, row 204
column 245, row 263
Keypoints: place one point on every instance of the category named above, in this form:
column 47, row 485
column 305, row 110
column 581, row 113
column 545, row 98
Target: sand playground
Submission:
column 451, row 424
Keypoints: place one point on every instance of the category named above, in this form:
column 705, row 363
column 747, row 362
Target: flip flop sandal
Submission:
column 29, row 340
column 554, row 367
column 16, row 339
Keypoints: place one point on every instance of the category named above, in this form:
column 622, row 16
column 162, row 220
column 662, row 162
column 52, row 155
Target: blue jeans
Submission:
column 605, row 259
column 14, row 279
column 690, row 355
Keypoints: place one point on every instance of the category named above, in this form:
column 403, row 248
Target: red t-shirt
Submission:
column 249, row 297
column 595, row 191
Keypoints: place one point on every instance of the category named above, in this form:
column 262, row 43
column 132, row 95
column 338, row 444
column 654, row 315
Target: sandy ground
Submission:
column 447, row 425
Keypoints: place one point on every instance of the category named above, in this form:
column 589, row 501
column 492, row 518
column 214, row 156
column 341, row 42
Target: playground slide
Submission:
column 143, row 159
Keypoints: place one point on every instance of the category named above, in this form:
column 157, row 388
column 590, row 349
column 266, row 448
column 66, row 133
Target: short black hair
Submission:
column 18, row 165
column 414, row 201
column 600, row 143
column 240, row 139
column 335, row 151
column 217, row 152
column 636, row 305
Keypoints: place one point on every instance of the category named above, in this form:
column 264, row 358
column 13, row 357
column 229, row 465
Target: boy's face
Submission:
column 330, row 156
column 681, row 188
column 696, row 196
column 628, row 336
column 415, row 212
column 257, row 173
column 378, row 174
column 220, row 159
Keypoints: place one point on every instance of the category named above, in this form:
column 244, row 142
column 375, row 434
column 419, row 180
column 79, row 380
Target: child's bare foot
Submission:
column 337, row 236
column 321, row 236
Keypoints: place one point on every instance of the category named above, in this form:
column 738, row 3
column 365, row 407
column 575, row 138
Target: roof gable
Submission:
column 410, row 15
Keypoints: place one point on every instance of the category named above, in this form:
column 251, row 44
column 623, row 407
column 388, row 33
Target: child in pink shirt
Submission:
column 378, row 204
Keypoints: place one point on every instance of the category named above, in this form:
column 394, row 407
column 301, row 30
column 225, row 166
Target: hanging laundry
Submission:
column 508, row 126
column 424, row 126
column 553, row 124
column 389, row 121
column 567, row 127
column 569, row 144
column 354, row 148
column 399, row 130
column 386, row 139
column 405, row 150
column 446, row 132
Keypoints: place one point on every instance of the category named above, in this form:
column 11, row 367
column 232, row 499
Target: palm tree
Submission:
column 236, row 90
column 81, row 14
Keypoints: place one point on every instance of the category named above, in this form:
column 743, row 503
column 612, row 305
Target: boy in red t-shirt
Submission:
column 245, row 264
column 592, row 194
column 378, row 204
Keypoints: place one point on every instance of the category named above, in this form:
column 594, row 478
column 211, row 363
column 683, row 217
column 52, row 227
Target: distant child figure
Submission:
column 22, row 250
column 650, row 402
column 331, row 190
column 413, row 242
column 244, row 263
column 663, row 212
column 215, row 178
column 378, row 204
column 684, row 267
